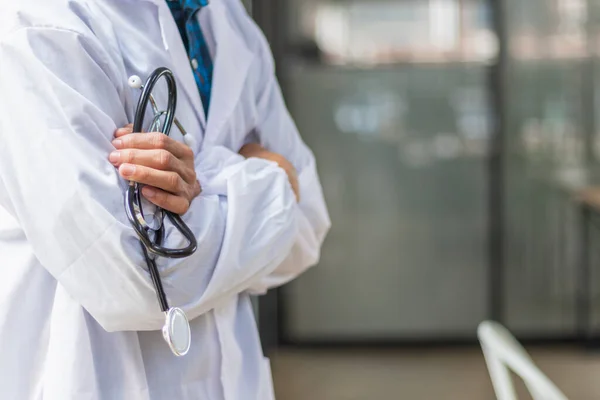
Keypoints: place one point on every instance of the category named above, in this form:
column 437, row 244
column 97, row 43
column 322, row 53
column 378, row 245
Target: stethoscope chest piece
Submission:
column 177, row 332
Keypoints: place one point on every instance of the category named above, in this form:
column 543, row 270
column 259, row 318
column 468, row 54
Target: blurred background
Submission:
column 458, row 143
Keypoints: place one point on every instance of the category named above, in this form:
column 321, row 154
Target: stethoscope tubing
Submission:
column 133, row 199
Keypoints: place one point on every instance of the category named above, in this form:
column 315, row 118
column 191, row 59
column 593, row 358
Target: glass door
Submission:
column 393, row 97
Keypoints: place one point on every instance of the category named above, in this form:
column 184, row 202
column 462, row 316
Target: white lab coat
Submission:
column 79, row 318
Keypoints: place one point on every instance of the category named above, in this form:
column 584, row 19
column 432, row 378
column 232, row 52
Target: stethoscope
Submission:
column 151, row 234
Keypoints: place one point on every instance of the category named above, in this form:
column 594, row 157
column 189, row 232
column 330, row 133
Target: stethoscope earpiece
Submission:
column 135, row 82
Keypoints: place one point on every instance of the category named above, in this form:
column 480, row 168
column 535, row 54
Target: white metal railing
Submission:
column 503, row 354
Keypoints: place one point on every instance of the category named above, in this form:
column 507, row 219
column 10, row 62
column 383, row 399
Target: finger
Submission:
column 170, row 202
column 166, row 180
column 156, row 159
column 293, row 179
column 126, row 130
column 295, row 188
column 196, row 190
column 154, row 140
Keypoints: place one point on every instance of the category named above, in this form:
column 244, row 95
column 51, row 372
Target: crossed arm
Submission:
column 166, row 167
column 252, row 232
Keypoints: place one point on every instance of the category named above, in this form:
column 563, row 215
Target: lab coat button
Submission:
column 194, row 63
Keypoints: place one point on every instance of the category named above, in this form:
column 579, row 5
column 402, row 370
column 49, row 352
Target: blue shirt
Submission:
column 184, row 12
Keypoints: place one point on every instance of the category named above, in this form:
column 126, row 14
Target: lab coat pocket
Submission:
column 266, row 385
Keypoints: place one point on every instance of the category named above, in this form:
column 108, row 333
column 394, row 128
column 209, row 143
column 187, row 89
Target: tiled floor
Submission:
column 452, row 374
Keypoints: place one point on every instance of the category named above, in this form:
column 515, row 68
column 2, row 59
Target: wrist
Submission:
column 253, row 150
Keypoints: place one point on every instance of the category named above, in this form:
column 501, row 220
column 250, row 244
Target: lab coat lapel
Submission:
column 231, row 65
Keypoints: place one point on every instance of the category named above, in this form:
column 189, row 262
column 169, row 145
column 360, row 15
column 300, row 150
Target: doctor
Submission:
column 78, row 314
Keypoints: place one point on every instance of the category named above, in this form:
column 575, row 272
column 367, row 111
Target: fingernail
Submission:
column 117, row 143
column 114, row 157
column 148, row 192
column 127, row 169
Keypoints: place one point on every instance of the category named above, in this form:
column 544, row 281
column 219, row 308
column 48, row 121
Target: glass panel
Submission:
column 402, row 151
column 387, row 31
column 545, row 162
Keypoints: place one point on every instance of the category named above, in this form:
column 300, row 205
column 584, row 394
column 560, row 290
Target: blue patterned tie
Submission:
column 184, row 12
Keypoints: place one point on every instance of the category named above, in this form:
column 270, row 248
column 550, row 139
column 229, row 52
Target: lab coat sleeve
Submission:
column 61, row 99
column 278, row 133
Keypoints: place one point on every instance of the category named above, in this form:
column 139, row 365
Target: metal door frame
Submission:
column 497, row 89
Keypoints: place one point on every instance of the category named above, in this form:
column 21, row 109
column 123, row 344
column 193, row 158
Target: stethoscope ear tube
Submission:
column 133, row 197
column 140, row 112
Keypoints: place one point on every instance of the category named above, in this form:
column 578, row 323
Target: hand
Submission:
column 165, row 165
column 257, row 151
